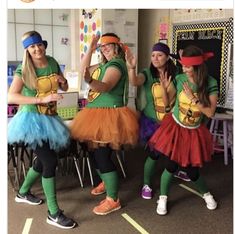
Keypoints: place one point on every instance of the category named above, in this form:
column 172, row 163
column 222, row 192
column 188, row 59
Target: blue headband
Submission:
column 161, row 47
column 34, row 39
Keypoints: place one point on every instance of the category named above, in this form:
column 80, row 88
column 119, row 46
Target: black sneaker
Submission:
column 28, row 198
column 60, row 220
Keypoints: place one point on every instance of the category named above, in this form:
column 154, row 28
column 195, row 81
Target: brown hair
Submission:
column 201, row 74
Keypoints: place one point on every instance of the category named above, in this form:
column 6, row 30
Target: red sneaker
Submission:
column 100, row 189
column 107, row 206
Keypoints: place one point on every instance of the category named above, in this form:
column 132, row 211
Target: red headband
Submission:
column 195, row 60
column 110, row 39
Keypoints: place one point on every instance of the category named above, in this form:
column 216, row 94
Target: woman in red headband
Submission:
column 152, row 106
column 106, row 123
column 182, row 137
column 37, row 125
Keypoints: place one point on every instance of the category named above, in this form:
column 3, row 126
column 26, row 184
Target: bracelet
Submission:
column 89, row 82
column 132, row 68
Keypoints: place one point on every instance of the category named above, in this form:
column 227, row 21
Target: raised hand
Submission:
column 130, row 59
column 188, row 91
column 94, row 42
column 165, row 80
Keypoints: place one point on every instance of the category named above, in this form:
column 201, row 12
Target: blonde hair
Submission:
column 29, row 76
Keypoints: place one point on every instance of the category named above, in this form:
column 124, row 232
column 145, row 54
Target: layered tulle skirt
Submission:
column 182, row 145
column 32, row 128
column 114, row 127
column 147, row 127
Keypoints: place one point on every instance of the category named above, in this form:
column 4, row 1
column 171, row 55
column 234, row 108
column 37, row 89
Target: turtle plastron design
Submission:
column 188, row 112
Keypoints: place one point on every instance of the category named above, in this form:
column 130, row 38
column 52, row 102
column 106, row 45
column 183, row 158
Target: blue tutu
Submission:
column 32, row 128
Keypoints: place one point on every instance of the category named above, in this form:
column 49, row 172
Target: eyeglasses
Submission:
column 105, row 46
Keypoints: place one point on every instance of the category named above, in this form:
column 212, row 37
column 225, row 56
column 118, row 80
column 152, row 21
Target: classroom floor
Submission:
column 187, row 212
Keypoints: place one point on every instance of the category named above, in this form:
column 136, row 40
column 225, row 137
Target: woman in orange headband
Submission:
column 106, row 123
column 182, row 137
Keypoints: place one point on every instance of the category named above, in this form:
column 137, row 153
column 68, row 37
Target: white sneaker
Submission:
column 161, row 207
column 211, row 204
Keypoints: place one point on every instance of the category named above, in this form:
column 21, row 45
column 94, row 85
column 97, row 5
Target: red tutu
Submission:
column 182, row 145
column 115, row 127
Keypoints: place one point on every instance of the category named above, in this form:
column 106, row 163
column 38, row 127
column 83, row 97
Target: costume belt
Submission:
column 189, row 113
column 162, row 109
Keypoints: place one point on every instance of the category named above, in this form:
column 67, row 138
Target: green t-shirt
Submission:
column 117, row 97
column 153, row 106
column 185, row 112
column 53, row 67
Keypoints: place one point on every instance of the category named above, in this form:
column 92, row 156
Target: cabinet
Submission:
column 53, row 25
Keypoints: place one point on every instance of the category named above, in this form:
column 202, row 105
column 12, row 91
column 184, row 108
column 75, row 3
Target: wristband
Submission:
column 89, row 82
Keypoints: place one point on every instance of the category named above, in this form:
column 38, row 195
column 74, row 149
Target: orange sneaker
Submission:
column 107, row 206
column 100, row 189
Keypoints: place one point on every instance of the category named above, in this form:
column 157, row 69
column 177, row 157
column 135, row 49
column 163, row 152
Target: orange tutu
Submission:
column 115, row 127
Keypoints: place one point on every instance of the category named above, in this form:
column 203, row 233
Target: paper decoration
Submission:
column 90, row 26
column 88, row 14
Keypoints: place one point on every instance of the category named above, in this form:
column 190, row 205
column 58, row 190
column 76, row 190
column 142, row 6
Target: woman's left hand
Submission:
column 165, row 80
column 188, row 91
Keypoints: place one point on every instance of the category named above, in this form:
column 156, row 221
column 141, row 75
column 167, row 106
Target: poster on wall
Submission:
column 210, row 36
column 90, row 26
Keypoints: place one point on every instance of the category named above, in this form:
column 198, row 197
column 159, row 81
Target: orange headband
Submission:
column 109, row 39
column 195, row 60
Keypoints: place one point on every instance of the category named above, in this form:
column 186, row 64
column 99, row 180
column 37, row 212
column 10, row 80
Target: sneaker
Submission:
column 100, row 189
column 60, row 220
column 161, row 206
column 211, row 204
column 28, row 198
column 182, row 175
column 146, row 192
column 107, row 206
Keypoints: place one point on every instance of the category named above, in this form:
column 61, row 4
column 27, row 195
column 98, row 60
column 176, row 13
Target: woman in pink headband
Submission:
column 183, row 137
column 106, row 124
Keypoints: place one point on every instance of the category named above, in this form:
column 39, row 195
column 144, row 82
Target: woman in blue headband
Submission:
column 153, row 81
column 37, row 124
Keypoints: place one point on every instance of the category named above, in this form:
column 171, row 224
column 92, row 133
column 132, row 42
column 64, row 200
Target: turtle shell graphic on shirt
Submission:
column 92, row 95
column 189, row 114
column 47, row 85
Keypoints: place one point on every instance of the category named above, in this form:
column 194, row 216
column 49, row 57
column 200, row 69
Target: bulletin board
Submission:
column 216, row 37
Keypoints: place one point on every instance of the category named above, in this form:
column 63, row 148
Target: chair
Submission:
column 220, row 131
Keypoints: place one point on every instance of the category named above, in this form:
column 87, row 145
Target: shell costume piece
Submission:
column 47, row 85
column 92, row 95
column 158, row 101
column 189, row 114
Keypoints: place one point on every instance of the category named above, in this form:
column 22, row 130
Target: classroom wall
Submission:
column 151, row 20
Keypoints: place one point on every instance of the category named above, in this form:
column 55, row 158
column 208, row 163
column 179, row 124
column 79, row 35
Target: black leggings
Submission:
column 102, row 159
column 46, row 161
column 192, row 172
